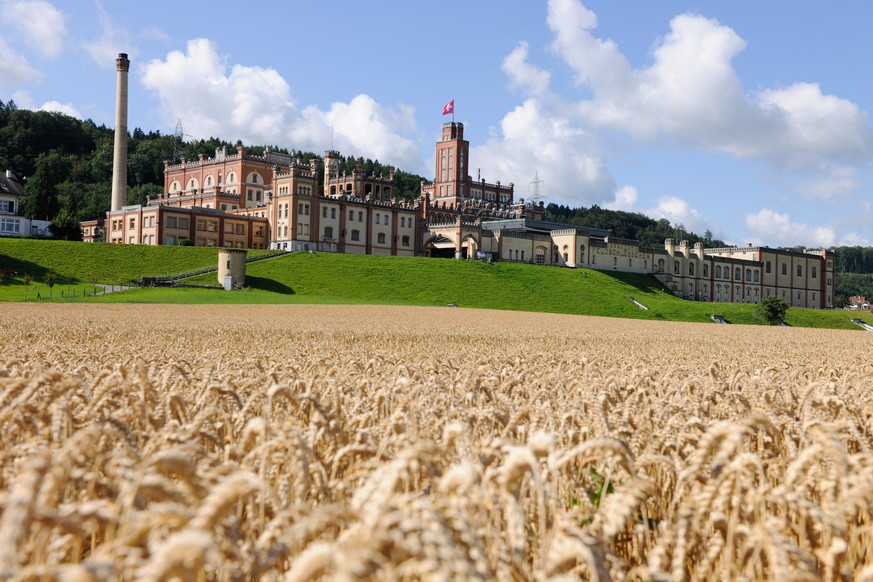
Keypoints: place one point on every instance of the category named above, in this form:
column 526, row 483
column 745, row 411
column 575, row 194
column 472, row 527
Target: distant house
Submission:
column 858, row 302
column 12, row 223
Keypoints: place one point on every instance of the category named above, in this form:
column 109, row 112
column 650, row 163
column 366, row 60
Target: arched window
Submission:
column 799, row 271
column 691, row 269
column 645, row 263
column 738, row 275
column 813, row 273
column 757, row 275
column 705, row 270
column 676, row 267
column 208, row 181
column 660, row 265
column 231, row 178
column 175, row 187
column 718, row 271
column 748, row 274
column 192, row 184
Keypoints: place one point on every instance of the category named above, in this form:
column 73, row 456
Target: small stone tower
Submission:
column 231, row 268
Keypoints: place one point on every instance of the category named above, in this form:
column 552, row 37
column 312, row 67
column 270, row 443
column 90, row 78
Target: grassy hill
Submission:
column 335, row 278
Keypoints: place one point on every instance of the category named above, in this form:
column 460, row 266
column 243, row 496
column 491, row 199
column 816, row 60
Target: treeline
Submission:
column 66, row 164
column 629, row 225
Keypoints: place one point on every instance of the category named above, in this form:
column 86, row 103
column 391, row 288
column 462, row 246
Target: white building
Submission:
column 11, row 221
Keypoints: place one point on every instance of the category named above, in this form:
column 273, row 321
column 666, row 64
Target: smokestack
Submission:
column 119, row 158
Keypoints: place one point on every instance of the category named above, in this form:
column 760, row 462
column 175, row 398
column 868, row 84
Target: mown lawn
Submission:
column 335, row 278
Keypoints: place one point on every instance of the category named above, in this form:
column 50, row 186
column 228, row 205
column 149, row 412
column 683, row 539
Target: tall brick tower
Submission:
column 119, row 158
column 452, row 153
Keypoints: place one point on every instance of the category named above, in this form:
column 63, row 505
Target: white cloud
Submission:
column 832, row 183
column 113, row 40
column 854, row 239
column 43, row 26
column 536, row 140
column 66, row 108
column 691, row 95
column 522, row 75
column 777, row 229
column 14, row 68
column 678, row 212
column 625, row 199
column 255, row 105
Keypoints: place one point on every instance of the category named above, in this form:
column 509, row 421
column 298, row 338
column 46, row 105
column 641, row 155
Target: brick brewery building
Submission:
column 239, row 200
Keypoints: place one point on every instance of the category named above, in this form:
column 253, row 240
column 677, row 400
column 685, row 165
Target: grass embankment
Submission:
column 333, row 278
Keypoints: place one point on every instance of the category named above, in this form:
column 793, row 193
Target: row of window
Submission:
column 812, row 270
column 355, row 235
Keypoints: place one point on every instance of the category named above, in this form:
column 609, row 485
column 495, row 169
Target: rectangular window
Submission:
column 171, row 222
column 183, row 223
column 324, row 211
column 381, row 238
column 385, row 219
column 360, row 216
column 333, row 212
column 10, row 225
column 376, row 218
column 356, row 235
column 132, row 223
column 767, row 267
column 405, row 240
column 784, row 268
column 351, row 215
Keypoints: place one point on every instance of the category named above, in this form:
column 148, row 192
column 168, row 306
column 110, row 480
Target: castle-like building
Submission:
column 238, row 200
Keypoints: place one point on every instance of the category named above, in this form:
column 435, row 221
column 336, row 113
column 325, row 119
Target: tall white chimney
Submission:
column 119, row 158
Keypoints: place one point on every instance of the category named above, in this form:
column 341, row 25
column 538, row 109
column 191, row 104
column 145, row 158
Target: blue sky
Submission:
column 746, row 118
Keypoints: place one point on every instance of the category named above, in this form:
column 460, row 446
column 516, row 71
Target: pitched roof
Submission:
column 9, row 184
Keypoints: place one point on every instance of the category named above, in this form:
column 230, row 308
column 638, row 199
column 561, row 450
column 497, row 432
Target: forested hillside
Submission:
column 67, row 164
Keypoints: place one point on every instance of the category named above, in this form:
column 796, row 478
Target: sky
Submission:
column 749, row 119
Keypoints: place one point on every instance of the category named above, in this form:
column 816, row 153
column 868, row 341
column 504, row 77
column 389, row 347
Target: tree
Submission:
column 50, row 278
column 41, row 200
column 26, row 278
column 771, row 310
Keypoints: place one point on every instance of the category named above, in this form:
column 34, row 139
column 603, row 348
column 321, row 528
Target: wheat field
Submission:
column 391, row 443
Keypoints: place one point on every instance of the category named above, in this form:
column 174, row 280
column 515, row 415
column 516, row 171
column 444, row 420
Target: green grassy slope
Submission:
column 107, row 263
column 334, row 278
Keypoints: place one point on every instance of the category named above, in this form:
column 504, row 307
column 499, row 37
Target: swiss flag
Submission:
column 449, row 107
